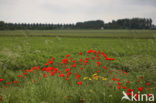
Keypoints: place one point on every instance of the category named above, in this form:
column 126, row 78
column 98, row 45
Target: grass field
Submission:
column 134, row 52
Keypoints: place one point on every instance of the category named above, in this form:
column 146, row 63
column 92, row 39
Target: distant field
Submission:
column 84, row 33
column 134, row 52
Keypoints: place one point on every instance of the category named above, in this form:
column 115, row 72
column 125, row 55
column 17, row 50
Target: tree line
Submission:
column 134, row 23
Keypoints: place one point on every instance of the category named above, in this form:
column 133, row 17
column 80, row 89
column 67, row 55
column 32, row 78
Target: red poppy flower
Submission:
column 149, row 95
column 68, row 55
column 129, row 94
column 51, row 62
column 137, row 96
column 53, row 58
column 19, row 75
column 78, row 76
column 90, row 51
column 65, row 61
column 67, row 78
column 62, row 75
column 79, row 83
column 56, row 69
column 109, row 58
column 81, row 60
column 68, row 74
column 105, row 67
column 148, row 88
column 119, row 83
column 140, row 89
column 74, row 65
column 98, row 71
column 98, row 63
column 124, row 87
column 93, row 58
column 68, row 69
column 130, row 90
column 1, row 79
column 128, row 82
column 81, row 68
column 52, row 73
column 15, row 82
column 8, row 83
column 119, row 87
column 148, row 84
column 74, row 61
column 80, row 53
column 46, row 64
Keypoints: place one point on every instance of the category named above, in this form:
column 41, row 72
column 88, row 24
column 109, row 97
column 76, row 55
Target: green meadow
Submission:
column 134, row 52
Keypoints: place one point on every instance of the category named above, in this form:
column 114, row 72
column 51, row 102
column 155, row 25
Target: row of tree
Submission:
column 134, row 23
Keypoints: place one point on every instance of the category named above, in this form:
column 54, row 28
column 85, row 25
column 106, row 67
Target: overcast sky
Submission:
column 72, row 11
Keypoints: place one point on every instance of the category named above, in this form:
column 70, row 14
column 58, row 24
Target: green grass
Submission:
column 145, row 34
column 136, row 56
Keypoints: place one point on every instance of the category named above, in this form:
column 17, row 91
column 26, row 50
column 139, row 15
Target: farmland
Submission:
column 134, row 52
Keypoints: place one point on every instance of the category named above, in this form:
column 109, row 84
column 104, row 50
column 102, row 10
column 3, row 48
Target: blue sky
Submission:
column 72, row 11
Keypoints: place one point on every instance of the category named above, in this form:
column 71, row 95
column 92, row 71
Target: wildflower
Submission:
column 98, row 63
column 74, row 65
column 81, row 60
column 149, row 95
column 52, row 73
column 62, row 75
column 84, row 78
column 44, row 75
column 148, row 84
column 80, row 53
column 96, row 77
column 90, row 78
column 15, row 82
column 129, row 94
column 68, row 74
column 1, row 79
column 68, row 69
column 68, row 55
column 128, row 82
column 92, row 58
column 124, row 87
column 56, row 69
column 148, row 88
column 74, row 61
column 119, row 83
column 46, row 64
column 81, row 68
column 65, row 61
column 98, row 71
column 53, row 58
column 8, row 83
column 104, row 54
column 125, row 73
column 119, row 87
column 19, row 75
column 78, row 76
column 109, row 58
column 90, row 51
column 51, row 62
column 67, row 78
column 130, row 90
column 140, row 89
column 104, row 78
column 79, row 83
column 105, row 67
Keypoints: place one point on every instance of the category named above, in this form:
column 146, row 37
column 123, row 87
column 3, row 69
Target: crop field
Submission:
column 77, row 66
